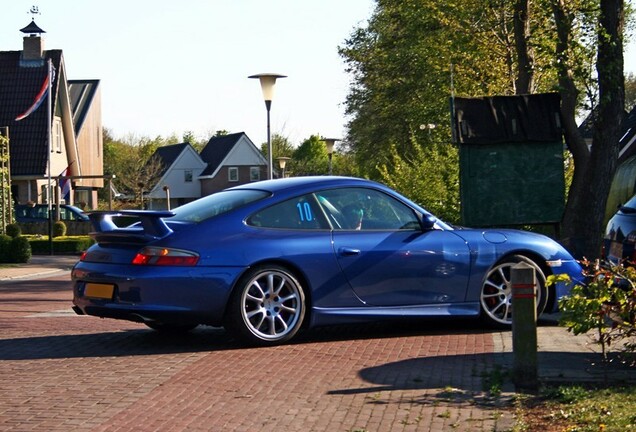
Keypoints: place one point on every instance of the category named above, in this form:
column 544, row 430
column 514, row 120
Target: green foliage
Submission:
column 310, row 158
column 5, row 246
column 6, row 216
column 606, row 304
column 566, row 394
column 630, row 91
column 14, row 230
column 14, row 249
column 61, row 245
column 581, row 409
column 20, row 251
column 430, row 178
column 59, row 229
column 413, row 55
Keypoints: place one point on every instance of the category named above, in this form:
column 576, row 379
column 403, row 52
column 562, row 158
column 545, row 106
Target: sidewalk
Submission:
column 38, row 266
column 565, row 358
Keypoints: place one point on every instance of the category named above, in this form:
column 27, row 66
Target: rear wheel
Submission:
column 496, row 292
column 267, row 307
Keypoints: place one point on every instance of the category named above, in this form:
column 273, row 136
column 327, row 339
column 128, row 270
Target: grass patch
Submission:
column 580, row 409
column 493, row 380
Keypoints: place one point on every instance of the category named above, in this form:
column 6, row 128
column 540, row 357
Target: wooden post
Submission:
column 524, row 326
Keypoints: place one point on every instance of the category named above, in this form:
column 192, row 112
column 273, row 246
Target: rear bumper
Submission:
column 193, row 295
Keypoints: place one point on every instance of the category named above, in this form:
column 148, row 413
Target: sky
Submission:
column 175, row 66
column 170, row 67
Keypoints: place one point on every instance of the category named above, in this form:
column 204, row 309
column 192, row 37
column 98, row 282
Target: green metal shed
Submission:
column 511, row 159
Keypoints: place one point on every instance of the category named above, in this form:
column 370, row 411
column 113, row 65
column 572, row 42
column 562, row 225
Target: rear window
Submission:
column 216, row 204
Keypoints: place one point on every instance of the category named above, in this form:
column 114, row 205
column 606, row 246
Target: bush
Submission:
column 59, row 229
column 14, row 230
column 20, row 251
column 61, row 245
column 606, row 304
column 5, row 247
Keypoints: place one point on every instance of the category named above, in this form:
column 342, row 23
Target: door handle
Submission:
column 347, row 251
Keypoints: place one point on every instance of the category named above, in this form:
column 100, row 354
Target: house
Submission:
column 179, row 177
column 225, row 161
column 75, row 123
column 231, row 160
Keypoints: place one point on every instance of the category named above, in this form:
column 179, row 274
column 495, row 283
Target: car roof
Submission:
column 309, row 182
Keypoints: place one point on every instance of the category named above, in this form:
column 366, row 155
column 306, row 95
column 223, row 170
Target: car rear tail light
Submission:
column 165, row 257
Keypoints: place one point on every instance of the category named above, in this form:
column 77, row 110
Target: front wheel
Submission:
column 267, row 306
column 496, row 292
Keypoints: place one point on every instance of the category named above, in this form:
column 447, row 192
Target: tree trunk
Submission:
column 575, row 142
column 525, row 60
column 585, row 212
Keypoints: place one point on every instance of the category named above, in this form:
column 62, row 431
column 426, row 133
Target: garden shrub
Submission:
column 5, row 247
column 61, row 245
column 14, row 230
column 20, row 250
column 605, row 303
column 59, row 229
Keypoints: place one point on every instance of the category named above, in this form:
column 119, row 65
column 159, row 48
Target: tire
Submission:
column 496, row 293
column 170, row 327
column 267, row 306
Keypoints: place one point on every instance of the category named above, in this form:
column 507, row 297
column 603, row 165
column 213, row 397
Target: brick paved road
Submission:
column 61, row 372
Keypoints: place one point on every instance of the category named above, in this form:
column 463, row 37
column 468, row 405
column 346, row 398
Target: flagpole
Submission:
column 48, row 137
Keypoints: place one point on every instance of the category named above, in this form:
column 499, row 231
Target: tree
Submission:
column 132, row 162
column 630, row 91
column 594, row 170
column 427, row 178
column 401, row 61
column 413, row 55
column 310, row 158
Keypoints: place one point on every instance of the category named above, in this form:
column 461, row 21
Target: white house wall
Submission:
column 243, row 153
column 174, row 177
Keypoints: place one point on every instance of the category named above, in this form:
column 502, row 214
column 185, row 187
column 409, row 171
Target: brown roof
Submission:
column 20, row 82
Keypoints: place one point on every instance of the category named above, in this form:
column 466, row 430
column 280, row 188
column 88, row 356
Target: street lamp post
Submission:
column 267, row 86
column 166, row 189
column 330, row 143
column 282, row 163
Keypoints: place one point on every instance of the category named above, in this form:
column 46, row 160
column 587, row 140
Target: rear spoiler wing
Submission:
column 151, row 226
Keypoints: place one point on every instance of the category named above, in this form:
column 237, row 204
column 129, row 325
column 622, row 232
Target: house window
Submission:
column 233, row 174
column 57, row 136
column 255, row 173
column 187, row 176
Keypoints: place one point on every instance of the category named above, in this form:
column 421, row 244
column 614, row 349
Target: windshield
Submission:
column 631, row 203
column 216, row 204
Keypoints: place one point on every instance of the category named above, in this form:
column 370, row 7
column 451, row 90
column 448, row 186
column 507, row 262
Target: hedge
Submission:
column 61, row 245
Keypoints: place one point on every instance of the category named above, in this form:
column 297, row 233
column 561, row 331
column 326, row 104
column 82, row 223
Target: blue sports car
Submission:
column 268, row 259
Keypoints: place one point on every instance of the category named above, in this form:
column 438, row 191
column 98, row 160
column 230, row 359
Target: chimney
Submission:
column 33, row 48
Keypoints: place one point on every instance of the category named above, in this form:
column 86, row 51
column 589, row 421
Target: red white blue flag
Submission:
column 39, row 98
column 65, row 184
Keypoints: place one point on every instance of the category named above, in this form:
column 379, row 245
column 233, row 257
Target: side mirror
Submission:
column 428, row 222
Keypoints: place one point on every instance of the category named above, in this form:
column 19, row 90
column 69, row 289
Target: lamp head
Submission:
column 330, row 143
column 267, row 84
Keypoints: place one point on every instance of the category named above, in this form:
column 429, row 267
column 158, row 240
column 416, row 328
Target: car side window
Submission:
column 366, row 209
column 40, row 212
column 298, row 213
